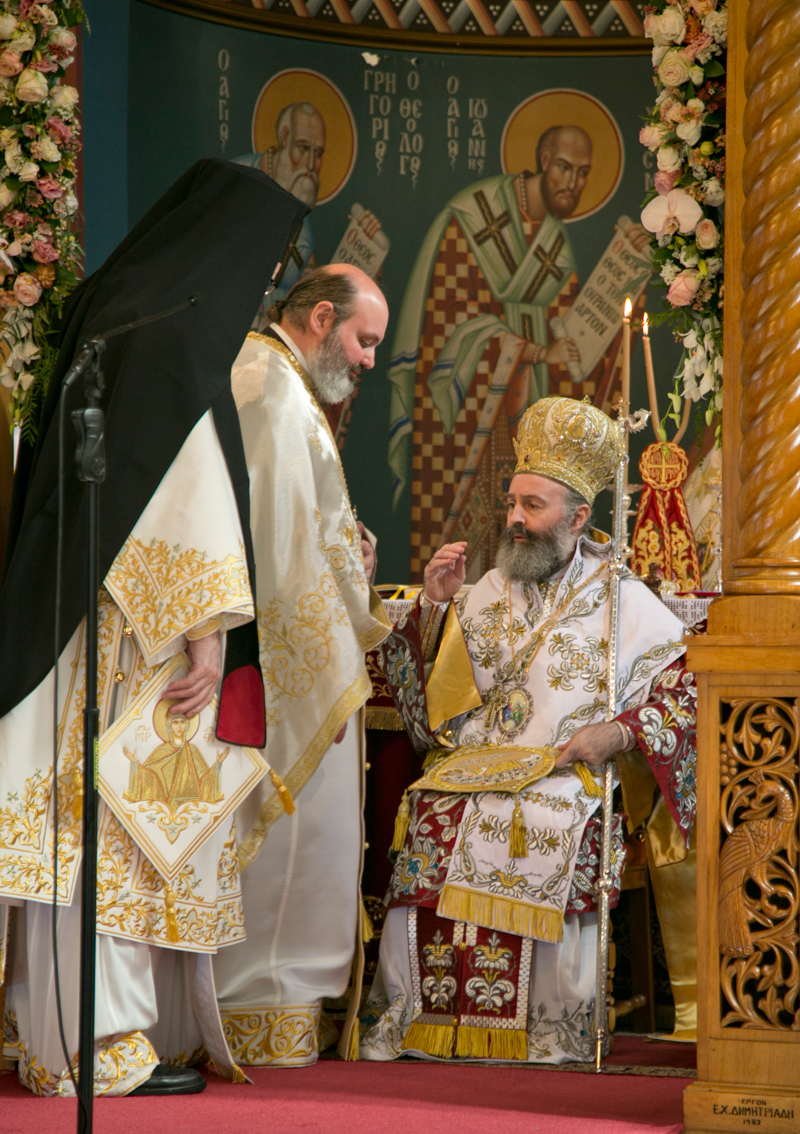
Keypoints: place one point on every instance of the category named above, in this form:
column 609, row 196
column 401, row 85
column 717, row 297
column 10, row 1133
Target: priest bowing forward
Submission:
column 489, row 945
column 317, row 617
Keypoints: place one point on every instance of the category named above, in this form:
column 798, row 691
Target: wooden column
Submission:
column 748, row 665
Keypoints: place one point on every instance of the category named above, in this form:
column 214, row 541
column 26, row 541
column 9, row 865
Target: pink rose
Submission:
column 664, row 181
column 44, row 252
column 16, row 219
column 27, row 289
column 10, row 64
column 682, row 290
column 699, row 43
column 58, row 129
column 651, row 136
column 49, row 188
column 706, row 235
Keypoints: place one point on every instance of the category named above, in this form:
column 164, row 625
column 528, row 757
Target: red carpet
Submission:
column 402, row 1098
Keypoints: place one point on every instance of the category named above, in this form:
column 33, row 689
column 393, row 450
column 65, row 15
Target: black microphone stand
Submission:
column 91, row 469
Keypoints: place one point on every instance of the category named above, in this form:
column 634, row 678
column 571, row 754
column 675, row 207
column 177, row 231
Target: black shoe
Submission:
column 168, row 1080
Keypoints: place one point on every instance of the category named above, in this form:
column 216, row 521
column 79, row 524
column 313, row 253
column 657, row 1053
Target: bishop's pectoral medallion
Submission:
column 508, row 709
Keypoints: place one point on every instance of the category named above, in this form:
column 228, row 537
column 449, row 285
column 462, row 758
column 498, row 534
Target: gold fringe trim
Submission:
column 173, row 933
column 401, row 824
column 352, row 1043
column 433, row 1039
column 367, row 928
column 384, row 717
column 238, row 1075
column 491, row 1043
column 283, row 792
column 518, row 836
column 505, row 914
column 590, row 784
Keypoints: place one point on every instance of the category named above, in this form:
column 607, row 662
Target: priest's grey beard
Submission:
column 539, row 557
column 329, row 370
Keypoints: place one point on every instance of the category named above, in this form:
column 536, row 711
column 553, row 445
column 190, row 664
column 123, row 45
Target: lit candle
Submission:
column 626, row 357
column 651, row 378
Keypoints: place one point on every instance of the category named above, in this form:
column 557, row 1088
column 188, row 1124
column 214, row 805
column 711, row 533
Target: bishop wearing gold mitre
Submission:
column 489, row 945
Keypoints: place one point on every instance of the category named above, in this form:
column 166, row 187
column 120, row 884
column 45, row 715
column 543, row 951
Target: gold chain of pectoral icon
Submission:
column 512, row 710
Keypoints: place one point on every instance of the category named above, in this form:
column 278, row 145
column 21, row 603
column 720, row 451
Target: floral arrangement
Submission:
column 684, row 210
column 39, row 139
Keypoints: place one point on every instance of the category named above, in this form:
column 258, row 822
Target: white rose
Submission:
column 22, row 41
column 8, row 25
column 688, row 257
column 29, row 171
column 716, row 24
column 668, row 159
column 706, row 234
column 689, row 132
column 63, row 38
column 31, row 86
column 46, row 150
column 715, row 194
column 658, row 55
column 7, row 137
column 674, row 68
column 697, row 75
column 671, row 25
column 64, row 98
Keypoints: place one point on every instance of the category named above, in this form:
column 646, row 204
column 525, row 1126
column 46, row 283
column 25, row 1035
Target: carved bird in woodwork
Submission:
column 746, row 854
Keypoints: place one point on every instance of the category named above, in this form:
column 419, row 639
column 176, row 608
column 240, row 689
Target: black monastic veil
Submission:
column 218, row 233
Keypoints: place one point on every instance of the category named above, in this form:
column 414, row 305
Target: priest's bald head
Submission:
column 337, row 316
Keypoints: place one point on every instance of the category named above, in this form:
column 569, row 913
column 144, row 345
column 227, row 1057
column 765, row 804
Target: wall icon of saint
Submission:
column 498, row 258
column 304, row 137
column 176, row 772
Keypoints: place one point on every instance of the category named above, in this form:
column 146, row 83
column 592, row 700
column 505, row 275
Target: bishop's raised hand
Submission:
column 446, row 572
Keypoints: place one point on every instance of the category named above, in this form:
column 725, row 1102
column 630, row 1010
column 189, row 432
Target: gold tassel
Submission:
column 508, row 1043
column 238, row 1075
column 590, row 785
column 496, row 912
column 283, row 792
column 518, row 838
column 433, row 1039
column 472, row 1043
column 353, row 1042
column 401, row 824
column 367, row 928
column 173, row 933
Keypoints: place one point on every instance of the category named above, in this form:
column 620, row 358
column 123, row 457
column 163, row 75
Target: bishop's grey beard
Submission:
column 329, row 370
column 539, row 557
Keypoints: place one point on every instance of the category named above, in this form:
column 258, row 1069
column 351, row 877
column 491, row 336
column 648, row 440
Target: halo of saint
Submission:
column 560, row 108
column 332, row 120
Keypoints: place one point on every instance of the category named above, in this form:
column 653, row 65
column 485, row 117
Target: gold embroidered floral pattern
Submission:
column 164, row 590
column 295, row 649
column 275, row 1037
column 120, row 1064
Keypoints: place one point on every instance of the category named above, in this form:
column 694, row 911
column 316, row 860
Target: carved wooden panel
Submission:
column 759, row 890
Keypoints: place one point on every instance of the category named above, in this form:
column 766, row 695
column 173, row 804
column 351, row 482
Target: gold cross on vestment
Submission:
column 496, row 699
column 547, row 259
column 494, row 230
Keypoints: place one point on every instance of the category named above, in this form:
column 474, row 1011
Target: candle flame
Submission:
column 627, row 309
column 645, row 325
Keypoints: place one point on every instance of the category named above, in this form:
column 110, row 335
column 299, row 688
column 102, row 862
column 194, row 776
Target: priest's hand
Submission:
column 446, row 572
column 368, row 551
column 594, row 744
column 195, row 690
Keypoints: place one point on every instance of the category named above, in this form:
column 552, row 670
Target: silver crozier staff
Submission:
column 617, row 569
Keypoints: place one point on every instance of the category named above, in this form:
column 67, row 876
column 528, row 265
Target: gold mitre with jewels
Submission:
column 569, row 441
